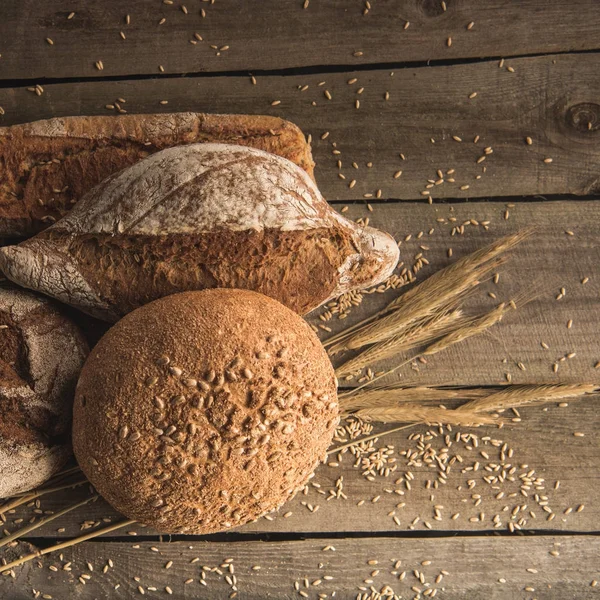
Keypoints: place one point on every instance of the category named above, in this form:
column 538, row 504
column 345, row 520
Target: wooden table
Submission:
column 382, row 87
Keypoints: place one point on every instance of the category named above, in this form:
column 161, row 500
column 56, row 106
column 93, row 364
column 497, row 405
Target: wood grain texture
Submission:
column 471, row 567
column 539, row 267
column 552, row 99
column 273, row 35
column 534, row 443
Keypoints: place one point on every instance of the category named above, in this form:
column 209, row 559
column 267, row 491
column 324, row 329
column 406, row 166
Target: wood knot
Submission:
column 584, row 116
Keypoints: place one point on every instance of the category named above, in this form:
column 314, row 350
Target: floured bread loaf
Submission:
column 41, row 354
column 195, row 217
column 47, row 166
column 204, row 410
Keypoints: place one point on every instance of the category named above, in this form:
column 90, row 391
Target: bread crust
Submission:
column 204, row 410
column 47, row 166
column 201, row 216
column 41, row 354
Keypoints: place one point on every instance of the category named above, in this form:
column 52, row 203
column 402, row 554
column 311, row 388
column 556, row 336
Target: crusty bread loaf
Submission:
column 41, row 354
column 204, row 410
column 195, row 217
column 46, row 166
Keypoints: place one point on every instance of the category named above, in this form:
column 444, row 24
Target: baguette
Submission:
column 47, row 166
column 196, row 217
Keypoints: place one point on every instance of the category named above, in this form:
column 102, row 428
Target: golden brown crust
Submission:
column 203, row 410
column 46, row 166
column 138, row 269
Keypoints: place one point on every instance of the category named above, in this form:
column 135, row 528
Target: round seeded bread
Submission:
column 41, row 354
column 204, row 410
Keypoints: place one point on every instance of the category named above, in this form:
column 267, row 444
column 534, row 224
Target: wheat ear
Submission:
column 437, row 290
column 515, row 396
column 415, row 413
column 392, row 396
column 473, row 327
column 420, row 332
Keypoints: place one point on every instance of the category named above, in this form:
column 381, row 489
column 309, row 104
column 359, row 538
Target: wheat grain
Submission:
column 418, row 333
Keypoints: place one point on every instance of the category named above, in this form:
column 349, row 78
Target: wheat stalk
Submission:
column 391, row 396
column 420, row 332
column 29, row 496
column 63, row 545
column 438, row 290
column 521, row 395
column 368, row 438
column 25, row 530
column 415, row 413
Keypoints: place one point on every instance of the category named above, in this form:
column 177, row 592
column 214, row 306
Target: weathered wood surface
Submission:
column 544, row 442
column 549, row 260
column 275, row 34
column 552, row 99
column 556, row 567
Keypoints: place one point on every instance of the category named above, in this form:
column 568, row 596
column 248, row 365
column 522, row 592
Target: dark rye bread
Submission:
column 47, row 166
column 41, row 354
column 196, row 217
column 204, row 410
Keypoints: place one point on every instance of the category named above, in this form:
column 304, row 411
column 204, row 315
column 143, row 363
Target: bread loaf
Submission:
column 46, row 166
column 41, row 354
column 204, row 410
column 195, row 217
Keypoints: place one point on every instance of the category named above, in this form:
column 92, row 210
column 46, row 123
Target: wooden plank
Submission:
column 534, row 443
column 552, row 100
column 471, row 567
column 273, row 35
